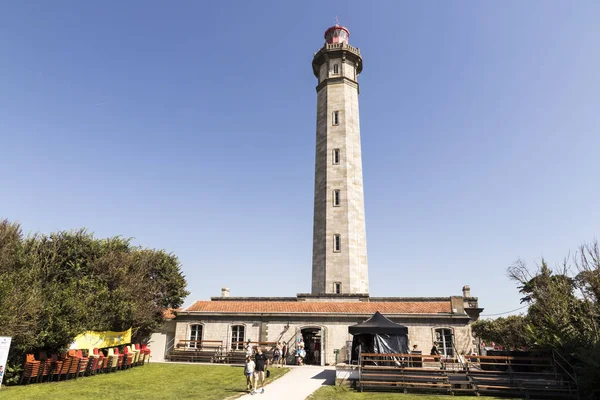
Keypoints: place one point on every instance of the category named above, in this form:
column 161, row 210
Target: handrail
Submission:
column 170, row 345
column 574, row 377
column 403, row 355
column 200, row 344
column 508, row 358
column 200, row 341
column 255, row 343
column 464, row 361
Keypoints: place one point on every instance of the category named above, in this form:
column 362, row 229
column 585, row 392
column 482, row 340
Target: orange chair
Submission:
column 96, row 361
column 101, row 364
column 112, row 360
column 142, row 356
column 128, row 357
column 74, row 366
column 103, row 361
column 120, row 358
column 92, row 365
column 135, row 354
column 45, row 367
column 146, row 349
column 83, row 363
column 66, row 366
column 56, row 365
column 31, row 369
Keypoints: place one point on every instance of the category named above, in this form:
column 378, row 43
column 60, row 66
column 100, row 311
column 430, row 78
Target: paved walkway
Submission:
column 297, row 384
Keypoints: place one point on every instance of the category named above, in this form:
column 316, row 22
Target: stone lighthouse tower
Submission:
column 339, row 235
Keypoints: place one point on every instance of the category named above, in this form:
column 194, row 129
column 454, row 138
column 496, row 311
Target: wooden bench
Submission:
column 414, row 376
column 191, row 356
column 237, row 355
column 403, row 383
column 208, row 345
column 533, row 377
column 404, row 386
column 196, row 351
column 500, row 387
column 393, row 372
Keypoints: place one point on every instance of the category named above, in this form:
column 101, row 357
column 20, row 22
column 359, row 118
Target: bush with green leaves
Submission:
column 55, row 287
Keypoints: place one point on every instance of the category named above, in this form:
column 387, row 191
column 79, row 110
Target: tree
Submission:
column 54, row 287
column 564, row 310
column 509, row 332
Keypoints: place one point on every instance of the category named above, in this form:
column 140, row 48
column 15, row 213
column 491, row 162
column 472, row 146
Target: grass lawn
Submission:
column 152, row 381
column 343, row 393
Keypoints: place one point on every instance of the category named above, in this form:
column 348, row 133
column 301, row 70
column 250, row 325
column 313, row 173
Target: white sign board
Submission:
column 4, row 347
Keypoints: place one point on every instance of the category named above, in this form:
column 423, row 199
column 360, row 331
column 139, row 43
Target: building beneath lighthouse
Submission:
column 339, row 295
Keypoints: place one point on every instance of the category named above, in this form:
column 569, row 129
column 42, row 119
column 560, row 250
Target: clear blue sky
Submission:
column 190, row 126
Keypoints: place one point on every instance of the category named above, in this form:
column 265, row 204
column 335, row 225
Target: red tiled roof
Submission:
column 169, row 314
column 327, row 307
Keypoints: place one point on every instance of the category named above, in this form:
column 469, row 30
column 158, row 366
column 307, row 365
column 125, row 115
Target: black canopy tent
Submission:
column 378, row 335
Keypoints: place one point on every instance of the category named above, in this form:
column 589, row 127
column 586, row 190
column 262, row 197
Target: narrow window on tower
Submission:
column 336, row 117
column 336, row 198
column 337, row 287
column 336, row 69
column 337, row 243
column 336, row 156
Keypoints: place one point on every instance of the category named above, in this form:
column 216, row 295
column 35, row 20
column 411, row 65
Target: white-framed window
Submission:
column 195, row 334
column 337, row 287
column 336, row 69
column 336, row 156
column 444, row 339
column 337, row 243
column 238, row 333
column 336, row 118
column 336, row 198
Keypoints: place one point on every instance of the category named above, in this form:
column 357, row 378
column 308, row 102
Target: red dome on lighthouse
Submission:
column 337, row 34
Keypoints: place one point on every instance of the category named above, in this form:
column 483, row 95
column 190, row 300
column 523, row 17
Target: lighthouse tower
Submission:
column 339, row 235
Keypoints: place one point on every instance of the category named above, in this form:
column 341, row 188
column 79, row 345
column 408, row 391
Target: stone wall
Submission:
column 335, row 333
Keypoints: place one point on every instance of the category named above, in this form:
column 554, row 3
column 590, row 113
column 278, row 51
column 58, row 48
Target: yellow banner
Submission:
column 96, row 339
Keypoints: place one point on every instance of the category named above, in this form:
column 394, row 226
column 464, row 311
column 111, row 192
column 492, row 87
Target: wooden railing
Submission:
column 481, row 375
column 199, row 344
column 267, row 346
column 504, row 362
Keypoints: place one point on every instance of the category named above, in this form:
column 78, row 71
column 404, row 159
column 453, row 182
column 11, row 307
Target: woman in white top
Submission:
column 249, row 367
column 249, row 349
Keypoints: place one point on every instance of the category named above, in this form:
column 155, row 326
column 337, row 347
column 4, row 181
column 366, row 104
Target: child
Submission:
column 249, row 372
column 277, row 353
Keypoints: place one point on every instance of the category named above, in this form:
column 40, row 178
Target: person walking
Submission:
column 284, row 354
column 249, row 368
column 261, row 361
column 248, row 349
column 277, row 353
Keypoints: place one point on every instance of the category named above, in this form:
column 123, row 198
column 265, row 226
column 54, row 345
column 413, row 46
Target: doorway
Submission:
column 312, row 345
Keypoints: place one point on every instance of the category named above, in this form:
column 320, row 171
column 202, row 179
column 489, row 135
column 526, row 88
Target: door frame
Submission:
column 323, row 330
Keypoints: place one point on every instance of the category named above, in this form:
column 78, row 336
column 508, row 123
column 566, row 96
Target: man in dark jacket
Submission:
column 436, row 352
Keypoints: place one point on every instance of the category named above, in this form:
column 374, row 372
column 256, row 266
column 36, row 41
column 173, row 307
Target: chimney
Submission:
column 466, row 291
column 225, row 292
